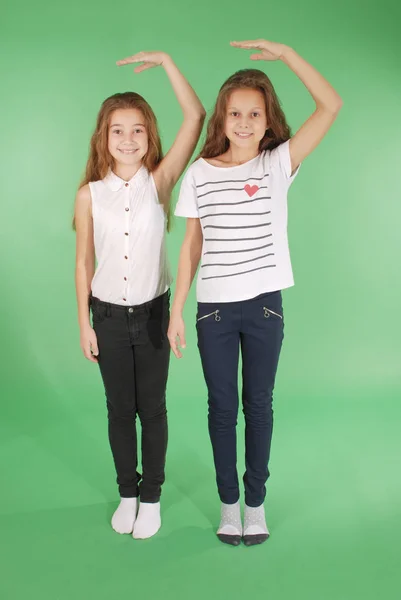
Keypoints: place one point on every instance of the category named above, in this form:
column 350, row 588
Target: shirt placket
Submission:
column 126, row 242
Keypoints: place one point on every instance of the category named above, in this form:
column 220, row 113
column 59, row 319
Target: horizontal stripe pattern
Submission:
column 235, row 203
column 218, row 203
column 267, row 212
column 238, row 189
column 241, row 262
column 198, row 186
column 239, row 273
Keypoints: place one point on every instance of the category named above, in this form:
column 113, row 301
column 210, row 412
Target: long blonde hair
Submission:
column 216, row 141
column 100, row 161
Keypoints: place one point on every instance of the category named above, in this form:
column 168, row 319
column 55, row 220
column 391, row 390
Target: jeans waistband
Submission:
column 243, row 302
column 145, row 307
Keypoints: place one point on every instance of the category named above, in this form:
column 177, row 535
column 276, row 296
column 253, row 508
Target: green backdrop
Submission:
column 334, row 496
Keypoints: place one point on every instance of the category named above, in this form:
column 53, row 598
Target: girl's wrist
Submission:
column 166, row 60
column 287, row 50
column 176, row 311
column 83, row 325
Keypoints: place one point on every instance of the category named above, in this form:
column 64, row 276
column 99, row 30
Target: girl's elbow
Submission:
column 336, row 104
column 339, row 104
column 197, row 115
column 331, row 107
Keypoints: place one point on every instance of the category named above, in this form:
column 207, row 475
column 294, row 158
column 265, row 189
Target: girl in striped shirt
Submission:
column 235, row 200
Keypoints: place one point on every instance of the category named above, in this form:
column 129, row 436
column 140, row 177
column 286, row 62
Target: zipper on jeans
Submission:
column 215, row 313
column 269, row 312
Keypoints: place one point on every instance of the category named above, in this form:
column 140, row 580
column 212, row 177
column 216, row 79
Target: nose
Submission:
column 128, row 138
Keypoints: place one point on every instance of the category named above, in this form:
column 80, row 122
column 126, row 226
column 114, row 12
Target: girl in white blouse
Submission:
column 235, row 200
column 121, row 214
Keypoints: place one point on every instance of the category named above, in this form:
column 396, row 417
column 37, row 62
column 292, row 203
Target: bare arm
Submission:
column 190, row 255
column 84, row 269
column 328, row 102
column 173, row 164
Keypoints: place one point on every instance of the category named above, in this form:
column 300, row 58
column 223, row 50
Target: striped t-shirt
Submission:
column 243, row 215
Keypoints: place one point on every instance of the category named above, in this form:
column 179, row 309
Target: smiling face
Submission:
column 246, row 122
column 127, row 136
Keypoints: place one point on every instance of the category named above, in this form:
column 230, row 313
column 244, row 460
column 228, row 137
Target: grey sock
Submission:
column 230, row 523
column 255, row 521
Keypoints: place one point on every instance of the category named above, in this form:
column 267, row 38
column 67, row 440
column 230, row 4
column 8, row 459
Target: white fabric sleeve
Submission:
column 187, row 205
column 280, row 163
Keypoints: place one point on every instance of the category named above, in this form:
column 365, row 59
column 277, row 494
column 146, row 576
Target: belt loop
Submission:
column 108, row 310
column 148, row 307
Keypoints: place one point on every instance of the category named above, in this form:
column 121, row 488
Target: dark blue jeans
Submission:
column 256, row 327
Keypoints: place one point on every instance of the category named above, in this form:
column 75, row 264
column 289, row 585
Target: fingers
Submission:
column 94, row 348
column 88, row 354
column 175, row 342
column 144, row 67
column 256, row 57
column 90, row 349
column 247, row 44
column 174, row 347
column 139, row 57
column 142, row 57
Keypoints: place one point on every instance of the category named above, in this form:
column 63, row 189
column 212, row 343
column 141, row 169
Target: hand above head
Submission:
column 268, row 50
column 149, row 60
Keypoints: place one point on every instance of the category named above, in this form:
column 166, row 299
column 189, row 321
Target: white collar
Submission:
column 115, row 183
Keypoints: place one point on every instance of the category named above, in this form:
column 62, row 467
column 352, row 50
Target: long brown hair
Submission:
column 100, row 160
column 216, row 141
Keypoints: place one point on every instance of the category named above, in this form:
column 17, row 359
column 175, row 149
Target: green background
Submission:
column 334, row 497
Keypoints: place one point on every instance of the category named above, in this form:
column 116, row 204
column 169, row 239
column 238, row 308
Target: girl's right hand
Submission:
column 148, row 60
column 176, row 334
column 89, row 344
column 268, row 50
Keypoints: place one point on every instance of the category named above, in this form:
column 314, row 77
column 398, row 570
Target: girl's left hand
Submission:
column 149, row 60
column 268, row 50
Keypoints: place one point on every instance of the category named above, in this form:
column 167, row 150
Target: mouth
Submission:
column 243, row 136
column 127, row 152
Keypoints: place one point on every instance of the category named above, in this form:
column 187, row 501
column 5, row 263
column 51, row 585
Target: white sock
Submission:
column 230, row 523
column 148, row 521
column 255, row 521
column 124, row 518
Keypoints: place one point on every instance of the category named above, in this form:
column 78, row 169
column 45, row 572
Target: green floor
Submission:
column 333, row 506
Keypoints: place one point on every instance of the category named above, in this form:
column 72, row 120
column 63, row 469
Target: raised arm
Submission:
column 173, row 164
column 328, row 102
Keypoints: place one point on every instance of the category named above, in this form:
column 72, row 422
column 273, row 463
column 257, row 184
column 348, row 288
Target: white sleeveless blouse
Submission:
column 129, row 234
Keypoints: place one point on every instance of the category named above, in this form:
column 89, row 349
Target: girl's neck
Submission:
column 238, row 156
column 126, row 172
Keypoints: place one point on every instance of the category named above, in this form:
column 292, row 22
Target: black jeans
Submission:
column 134, row 355
column 257, row 327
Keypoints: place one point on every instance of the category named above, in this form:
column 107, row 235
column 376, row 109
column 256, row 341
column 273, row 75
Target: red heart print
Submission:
column 251, row 189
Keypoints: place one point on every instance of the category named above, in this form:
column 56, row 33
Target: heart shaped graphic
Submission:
column 251, row 189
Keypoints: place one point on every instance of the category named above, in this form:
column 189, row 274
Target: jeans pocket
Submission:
column 99, row 313
column 215, row 314
column 267, row 313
